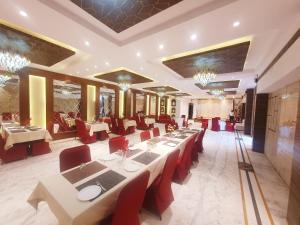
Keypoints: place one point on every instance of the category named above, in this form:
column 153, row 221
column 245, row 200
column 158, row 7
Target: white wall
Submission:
column 209, row 108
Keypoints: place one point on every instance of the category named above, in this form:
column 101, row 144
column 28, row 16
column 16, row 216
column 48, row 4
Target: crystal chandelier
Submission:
column 205, row 76
column 124, row 86
column 217, row 92
column 3, row 80
column 12, row 62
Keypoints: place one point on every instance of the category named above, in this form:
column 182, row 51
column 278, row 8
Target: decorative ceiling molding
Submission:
column 220, row 85
column 196, row 12
column 225, row 93
column 181, row 94
column 161, row 89
column 37, row 48
column 123, row 75
column 228, row 59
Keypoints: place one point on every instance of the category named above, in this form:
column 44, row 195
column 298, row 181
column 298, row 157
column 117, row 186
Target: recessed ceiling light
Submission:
column 87, row 69
column 87, row 43
column 95, row 66
column 77, row 72
column 141, row 68
column 23, row 13
column 161, row 46
column 107, row 63
column 193, row 37
column 138, row 54
column 236, row 24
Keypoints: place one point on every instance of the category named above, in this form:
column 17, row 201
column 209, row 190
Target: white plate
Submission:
column 89, row 193
column 131, row 167
column 109, row 157
column 171, row 144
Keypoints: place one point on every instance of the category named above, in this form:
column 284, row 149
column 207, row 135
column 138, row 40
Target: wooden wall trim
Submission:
column 83, row 102
column 24, row 103
column 286, row 47
column 49, row 100
column 97, row 102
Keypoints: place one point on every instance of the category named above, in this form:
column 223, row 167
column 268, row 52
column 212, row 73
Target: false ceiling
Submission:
column 220, row 85
column 161, row 89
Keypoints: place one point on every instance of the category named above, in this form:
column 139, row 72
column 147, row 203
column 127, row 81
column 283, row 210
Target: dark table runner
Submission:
column 78, row 174
column 17, row 130
column 108, row 180
column 131, row 152
column 156, row 140
column 181, row 136
column 146, row 157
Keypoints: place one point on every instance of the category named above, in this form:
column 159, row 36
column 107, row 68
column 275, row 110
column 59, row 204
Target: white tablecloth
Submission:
column 61, row 195
column 28, row 135
column 96, row 127
column 129, row 123
column 149, row 121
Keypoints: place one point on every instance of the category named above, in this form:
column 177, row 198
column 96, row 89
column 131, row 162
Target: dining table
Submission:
column 111, row 172
column 96, row 127
column 129, row 123
column 149, row 120
column 13, row 133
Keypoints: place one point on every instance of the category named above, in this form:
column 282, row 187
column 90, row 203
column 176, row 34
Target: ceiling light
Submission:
column 138, row 54
column 161, row 94
column 236, row 24
column 23, row 13
column 3, row 80
column 161, row 46
column 87, row 43
column 193, row 37
column 124, row 86
column 107, row 63
column 12, row 62
column 95, row 66
column 217, row 92
column 87, row 69
column 205, row 76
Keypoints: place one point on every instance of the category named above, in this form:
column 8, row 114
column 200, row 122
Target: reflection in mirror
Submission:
column 67, row 97
column 152, row 105
column 9, row 97
column 139, row 103
column 107, row 102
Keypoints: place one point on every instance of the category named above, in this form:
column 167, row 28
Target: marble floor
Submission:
column 210, row 196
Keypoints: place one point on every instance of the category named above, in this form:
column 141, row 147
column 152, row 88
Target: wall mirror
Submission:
column 107, row 102
column 139, row 102
column 152, row 105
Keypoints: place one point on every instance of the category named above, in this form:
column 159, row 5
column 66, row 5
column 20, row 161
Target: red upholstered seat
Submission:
column 156, row 132
column 40, row 147
column 102, row 135
column 229, row 126
column 118, row 143
column 73, row 157
column 17, row 152
column 129, row 202
column 159, row 195
column 145, row 135
column 142, row 124
column 215, row 126
column 121, row 128
column 184, row 162
column 198, row 146
column 84, row 133
column 6, row 116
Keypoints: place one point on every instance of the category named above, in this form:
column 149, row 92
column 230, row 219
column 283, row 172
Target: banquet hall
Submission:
column 150, row 112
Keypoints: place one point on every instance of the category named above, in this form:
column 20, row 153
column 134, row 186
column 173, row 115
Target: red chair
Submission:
column 73, row 157
column 198, row 146
column 173, row 123
column 102, row 135
column 118, row 143
column 40, row 147
column 121, row 128
column 184, row 162
column 229, row 126
column 159, row 195
column 156, row 132
column 145, row 135
column 142, row 124
column 6, row 116
column 84, row 133
column 215, row 126
column 17, row 152
column 129, row 202
column 114, row 126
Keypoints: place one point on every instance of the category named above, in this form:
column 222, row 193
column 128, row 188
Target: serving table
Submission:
column 96, row 127
column 14, row 133
column 60, row 191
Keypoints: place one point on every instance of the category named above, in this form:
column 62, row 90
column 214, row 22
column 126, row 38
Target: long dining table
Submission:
column 114, row 171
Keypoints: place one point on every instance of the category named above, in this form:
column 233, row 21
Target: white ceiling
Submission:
column 268, row 22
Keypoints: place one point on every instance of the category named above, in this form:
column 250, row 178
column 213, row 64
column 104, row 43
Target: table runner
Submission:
column 146, row 157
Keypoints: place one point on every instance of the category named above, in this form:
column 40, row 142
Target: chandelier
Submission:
column 204, row 76
column 12, row 62
column 3, row 80
column 124, row 86
column 217, row 92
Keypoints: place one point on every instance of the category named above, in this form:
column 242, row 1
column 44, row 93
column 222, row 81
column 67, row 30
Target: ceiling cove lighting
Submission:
column 12, row 62
column 124, row 86
column 3, row 80
column 205, row 76
column 138, row 54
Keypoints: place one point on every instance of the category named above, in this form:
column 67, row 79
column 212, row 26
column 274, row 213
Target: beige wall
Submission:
column 9, row 99
column 209, row 108
column 281, row 124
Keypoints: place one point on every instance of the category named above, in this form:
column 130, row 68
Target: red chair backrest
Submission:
column 198, row 142
column 121, row 124
column 167, row 174
column 6, row 116
column 156, row 132
column 73, row 157
column 130, row 201
column 118, row 143
column 113, row 122
column 186, row 159
column 145, row 135
column 81, row 128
